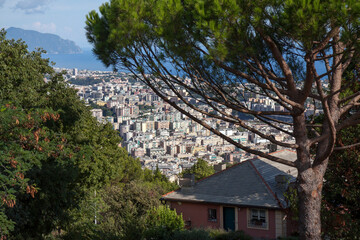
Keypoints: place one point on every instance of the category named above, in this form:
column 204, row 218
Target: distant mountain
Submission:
column 52, row 43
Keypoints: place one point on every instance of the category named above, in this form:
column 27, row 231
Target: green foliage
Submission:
column 162, row 222
column 29, row 129
column 22, row 73
column 121, row 212
column 201, row 169
column 55, row 157
column 194, row 234
column 207, row 234
column 341, row 207
column 25, row 143
column 41, row 174
column 83, row 220
column 128, row 206
column 85, row 81
column 6, row 224
column 156, row 180
column 103, row 160
column 145, row 108
column 231, row 31
column 106, row 110
column 237, row 235
column 292, row 200
column 121, row 209
column 53, row 152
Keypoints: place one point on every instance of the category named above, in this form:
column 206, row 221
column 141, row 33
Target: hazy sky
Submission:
column 65, row 18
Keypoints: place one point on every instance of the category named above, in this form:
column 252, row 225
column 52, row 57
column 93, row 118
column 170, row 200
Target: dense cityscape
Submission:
column 161, row 137
column 179, row 120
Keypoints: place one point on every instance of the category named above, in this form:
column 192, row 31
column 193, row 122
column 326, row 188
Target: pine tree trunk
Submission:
column 310, row 182
column 309, row 190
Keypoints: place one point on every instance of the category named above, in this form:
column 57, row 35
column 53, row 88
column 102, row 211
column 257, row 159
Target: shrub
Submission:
column 223, row 235
column 162, row 222
column 195, row 234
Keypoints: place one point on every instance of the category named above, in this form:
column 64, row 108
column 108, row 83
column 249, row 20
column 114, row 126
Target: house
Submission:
column 247, row 196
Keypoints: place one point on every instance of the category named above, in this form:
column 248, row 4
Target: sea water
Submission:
column 85, row 60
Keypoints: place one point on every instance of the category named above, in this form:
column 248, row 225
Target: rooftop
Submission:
column 250, row 183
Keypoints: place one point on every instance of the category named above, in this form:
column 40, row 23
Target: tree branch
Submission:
column 346, row 147
column 281, row 61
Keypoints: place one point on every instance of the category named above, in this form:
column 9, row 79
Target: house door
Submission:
column 229, row 218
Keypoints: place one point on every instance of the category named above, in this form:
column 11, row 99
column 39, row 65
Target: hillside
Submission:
column 50, row 42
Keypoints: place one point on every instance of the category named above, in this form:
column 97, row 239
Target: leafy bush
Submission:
column 200, row 169
column 223, row 235
column 162, row 222
column 195, row 234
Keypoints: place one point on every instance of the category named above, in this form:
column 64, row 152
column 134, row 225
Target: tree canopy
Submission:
column 25, row 141
column 341, row 208
column 54, row 154
column 293, row 53
column 200, row 169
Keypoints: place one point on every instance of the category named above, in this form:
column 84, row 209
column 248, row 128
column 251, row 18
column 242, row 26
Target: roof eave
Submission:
column 219, row 203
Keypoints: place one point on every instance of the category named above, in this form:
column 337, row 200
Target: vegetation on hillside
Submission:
column 63, row 175
column 106, row 110
column 57, row 161
column 85, row 81
column 200, row 169
column 341, row 207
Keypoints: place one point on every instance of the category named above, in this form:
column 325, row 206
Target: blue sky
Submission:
column 65, row 18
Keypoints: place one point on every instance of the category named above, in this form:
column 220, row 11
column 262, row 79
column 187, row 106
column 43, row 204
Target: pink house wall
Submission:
column 197, row 213
column 269, row 233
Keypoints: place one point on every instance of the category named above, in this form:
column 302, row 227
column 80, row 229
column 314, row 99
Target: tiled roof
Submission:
column 269, row 169
column 250, row 183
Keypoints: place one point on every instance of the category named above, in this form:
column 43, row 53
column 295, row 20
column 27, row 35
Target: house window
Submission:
column 257, row 218
column 212, row 214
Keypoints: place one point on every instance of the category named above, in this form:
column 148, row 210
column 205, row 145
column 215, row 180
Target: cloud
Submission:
column 32, row 6
column 2, row 3
column 44, row 27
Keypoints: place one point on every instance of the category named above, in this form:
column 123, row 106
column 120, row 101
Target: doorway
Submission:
column 229, row 218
